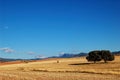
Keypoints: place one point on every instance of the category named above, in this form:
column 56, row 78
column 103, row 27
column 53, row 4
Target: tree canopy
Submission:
column 98, row 55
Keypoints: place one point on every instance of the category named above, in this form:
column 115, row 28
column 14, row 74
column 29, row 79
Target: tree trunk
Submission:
column 105, row 61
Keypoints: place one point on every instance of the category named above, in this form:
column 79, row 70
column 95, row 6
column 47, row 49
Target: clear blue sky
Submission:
column 29, row 28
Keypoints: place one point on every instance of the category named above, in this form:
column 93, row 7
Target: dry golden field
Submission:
column 66, row 69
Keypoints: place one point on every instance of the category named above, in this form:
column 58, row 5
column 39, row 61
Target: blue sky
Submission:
column 30, row 28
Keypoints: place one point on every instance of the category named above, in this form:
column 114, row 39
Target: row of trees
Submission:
column 105, row 55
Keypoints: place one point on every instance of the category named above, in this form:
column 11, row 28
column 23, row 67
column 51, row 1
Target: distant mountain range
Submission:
column 7, row 59
column 116, row 53
column 68, row 55
column 65, row 55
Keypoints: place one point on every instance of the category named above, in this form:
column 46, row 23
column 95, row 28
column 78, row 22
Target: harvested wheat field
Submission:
column 66, row 69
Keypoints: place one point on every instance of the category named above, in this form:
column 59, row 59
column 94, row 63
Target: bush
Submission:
column 99, row 55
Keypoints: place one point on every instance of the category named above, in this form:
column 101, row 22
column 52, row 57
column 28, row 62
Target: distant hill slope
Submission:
column 7, row 59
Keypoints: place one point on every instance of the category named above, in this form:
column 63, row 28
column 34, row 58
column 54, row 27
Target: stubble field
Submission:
column 66, row 69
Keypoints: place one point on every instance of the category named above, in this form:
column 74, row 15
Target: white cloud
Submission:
column 31, row 53
column 7, row 50
column 41, row 57
column 61, row 53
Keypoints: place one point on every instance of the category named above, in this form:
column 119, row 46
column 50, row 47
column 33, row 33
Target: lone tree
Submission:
column 105, row 55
